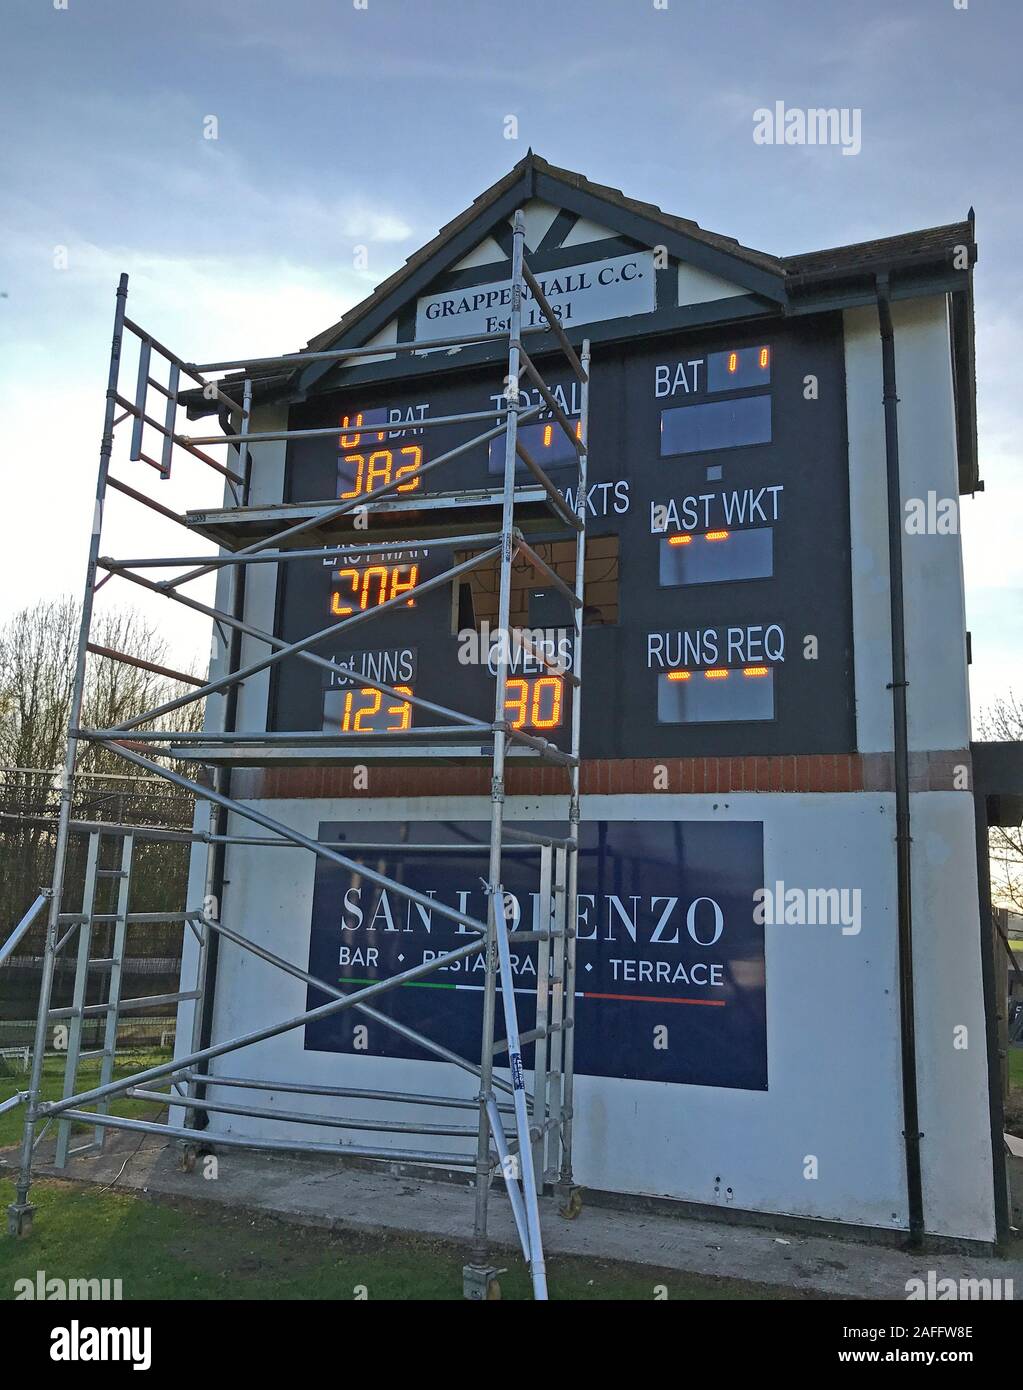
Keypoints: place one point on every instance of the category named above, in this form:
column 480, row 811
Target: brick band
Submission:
column 821, row 772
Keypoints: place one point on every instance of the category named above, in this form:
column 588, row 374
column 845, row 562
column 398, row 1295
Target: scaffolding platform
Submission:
column 434, row 516
column 297, row 754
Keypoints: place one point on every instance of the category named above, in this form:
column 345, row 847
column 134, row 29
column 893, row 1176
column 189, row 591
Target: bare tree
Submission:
column 1002, row 722
column 37, row 666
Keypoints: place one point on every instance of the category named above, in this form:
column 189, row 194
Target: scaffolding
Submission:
column 523, row 1140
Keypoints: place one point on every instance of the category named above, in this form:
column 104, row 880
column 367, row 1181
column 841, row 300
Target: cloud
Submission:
column 203, row 308
column 365, row 54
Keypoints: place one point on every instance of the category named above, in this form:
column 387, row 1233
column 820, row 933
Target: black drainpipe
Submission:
column 903, row 839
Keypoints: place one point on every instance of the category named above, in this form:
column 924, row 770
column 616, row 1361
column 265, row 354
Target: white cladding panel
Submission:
column 932, row 563
column 833, row 1025
column 696, row 286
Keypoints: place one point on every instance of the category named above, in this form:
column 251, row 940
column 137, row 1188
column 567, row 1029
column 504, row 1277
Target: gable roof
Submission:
column 919, row 262
column 872, row 257
column 532, row 164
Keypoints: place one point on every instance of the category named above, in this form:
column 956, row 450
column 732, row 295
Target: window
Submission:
column 535, row 602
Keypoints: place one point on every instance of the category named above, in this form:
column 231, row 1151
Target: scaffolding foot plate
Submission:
column 19, row 1219
column 480, row 1283
column 571, row 1202
column 192, row 1153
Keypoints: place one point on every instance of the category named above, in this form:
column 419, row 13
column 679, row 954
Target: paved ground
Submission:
column 323, row 1193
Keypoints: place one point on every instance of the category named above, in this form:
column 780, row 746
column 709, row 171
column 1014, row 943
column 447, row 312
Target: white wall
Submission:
column 832, row 1034
column 932, row 564
column 261, row 583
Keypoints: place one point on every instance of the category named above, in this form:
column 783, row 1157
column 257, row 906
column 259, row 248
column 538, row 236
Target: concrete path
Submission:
column 330, row 1196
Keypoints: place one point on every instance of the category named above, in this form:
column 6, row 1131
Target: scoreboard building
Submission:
column 784, row 975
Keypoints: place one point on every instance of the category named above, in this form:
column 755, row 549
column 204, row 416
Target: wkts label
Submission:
column 670, row 962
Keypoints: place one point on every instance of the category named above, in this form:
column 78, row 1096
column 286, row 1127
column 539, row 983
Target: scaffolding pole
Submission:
column 21, row 1211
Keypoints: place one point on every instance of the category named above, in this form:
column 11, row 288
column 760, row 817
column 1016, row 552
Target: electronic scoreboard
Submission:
column 718, row 597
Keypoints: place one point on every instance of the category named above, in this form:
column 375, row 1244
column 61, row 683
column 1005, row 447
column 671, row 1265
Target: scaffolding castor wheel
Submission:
column 19, row 1219
column 480, row 1283
column 572, row 1205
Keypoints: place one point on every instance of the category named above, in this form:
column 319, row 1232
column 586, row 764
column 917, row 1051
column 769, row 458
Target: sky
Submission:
column 343, row 124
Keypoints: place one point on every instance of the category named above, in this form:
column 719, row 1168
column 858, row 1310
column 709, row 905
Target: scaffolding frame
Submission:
column 524, row 1139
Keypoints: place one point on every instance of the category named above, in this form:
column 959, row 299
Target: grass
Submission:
column 1016, row 1067
column 170, row 1248
column 12, row 1121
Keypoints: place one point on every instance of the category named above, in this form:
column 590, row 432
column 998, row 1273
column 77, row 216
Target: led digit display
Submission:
column 546, row 444
column 354, row 590
column 534, row 702
column 738, row 368
column 716, row 557
column 353, row 438
column 365, row 710
column 363, row 467
column 715, row 695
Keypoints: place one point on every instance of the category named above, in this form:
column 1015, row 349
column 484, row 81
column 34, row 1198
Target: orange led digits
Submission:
column 515, row 701
column 765, row 356
column 716, row 536
column 720, row 673
column 371, row 701
column 365, row 474
column 412, row 467
column 356, row 491
column 368, row 588
column 353, row 442
column 553, row 686
column 403, row 711
column 379, row 467
column 733, row 362
column 361, row 708
column 402, row 586
column 338, row 607
column 680, row 540
column 534, row 702
column 379, row 573
column 345, row 441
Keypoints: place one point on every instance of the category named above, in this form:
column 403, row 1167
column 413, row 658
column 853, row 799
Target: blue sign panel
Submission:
column 670, row 963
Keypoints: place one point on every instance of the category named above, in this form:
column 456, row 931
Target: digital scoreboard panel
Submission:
column 717, row 614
